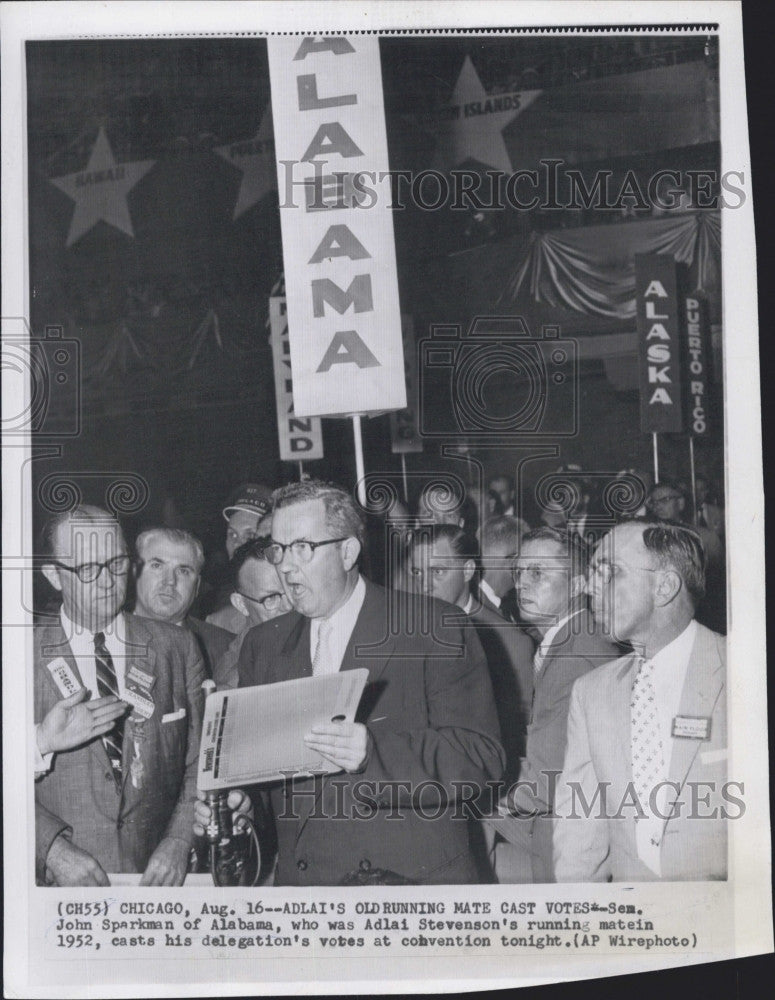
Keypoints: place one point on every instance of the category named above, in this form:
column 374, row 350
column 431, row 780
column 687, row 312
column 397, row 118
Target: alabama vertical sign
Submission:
column 344, row 316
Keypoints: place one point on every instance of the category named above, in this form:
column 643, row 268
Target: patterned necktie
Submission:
column 538, row 661
column 107, row 684
column 647, row 751
column 321, row 661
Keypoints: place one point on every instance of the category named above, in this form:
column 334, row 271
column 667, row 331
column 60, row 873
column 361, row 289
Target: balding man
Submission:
column 643, row 791
column 121, row 801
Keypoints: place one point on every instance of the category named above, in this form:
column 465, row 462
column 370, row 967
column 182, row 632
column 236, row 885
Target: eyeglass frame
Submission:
column 100, row 567
column 303, row 541
column 261, row 600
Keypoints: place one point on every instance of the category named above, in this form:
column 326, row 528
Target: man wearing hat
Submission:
column 247, row 508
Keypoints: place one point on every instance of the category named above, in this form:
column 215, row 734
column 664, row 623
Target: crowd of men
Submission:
column 542, row 703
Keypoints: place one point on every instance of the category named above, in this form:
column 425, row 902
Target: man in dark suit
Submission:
column 121, row 801
column 168, row 576
column 425, row 737
column 442, row 561
column 549, row 575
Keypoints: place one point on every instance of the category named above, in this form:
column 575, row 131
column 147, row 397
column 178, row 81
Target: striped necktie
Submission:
column 107, row 684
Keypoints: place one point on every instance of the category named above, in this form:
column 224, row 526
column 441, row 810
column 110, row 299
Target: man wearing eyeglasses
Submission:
column 549, row 577
column 167, row 578
column 257, row 596
column 122, row 799
column 648, row 731
column 426, row 734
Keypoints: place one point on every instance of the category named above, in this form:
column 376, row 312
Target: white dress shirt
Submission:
column 670, row 666
column 489, row 593
column 546, row 642
column 342, row 624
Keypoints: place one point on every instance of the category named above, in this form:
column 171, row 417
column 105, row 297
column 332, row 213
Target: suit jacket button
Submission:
column 301, row 864
column 365, row 865
column 119, row 824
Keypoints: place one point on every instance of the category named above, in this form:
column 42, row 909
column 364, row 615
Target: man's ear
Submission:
column 669, row 586
column 238, row 602
column 469, row 568
column 51, row 573
column 351, row 549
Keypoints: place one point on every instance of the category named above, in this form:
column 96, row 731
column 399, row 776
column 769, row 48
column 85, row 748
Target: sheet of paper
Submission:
column 257, row 734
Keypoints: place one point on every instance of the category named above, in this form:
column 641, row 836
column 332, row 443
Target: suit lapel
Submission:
column 296, row 651
column 702, row 687
column 370, row 620
column 140, row 652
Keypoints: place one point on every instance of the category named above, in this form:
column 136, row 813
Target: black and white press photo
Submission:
column 383, row 568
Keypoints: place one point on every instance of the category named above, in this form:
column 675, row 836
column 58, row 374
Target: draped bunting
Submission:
column 590, row 270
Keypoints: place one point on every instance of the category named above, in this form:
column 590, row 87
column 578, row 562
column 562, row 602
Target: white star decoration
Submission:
column 474, row 133
column 100, row 190
column 255, row 158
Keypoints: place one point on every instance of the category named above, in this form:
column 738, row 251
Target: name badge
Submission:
column 139, row 680
column 137, row 689
column 691, row 727
column 143, row 706
column 64, row 677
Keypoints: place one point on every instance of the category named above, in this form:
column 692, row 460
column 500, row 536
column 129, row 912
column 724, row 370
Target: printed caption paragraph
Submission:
column 113, row 928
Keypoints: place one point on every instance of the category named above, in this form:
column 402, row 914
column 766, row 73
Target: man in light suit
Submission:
column 122, row 800
column 549, row 576
column 426, row 732
column 647, row 740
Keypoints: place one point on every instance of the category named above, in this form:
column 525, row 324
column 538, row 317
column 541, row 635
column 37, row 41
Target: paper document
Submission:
column 257, row 734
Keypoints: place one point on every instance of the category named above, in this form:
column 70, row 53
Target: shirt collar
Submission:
column 468, row 607
column 489, row 593
column 82, row 640
column 674, row 657
column 552, row 632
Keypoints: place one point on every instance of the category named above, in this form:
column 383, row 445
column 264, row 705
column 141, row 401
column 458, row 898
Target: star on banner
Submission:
column 473, row 122
column 256, row 159
column 100, row 190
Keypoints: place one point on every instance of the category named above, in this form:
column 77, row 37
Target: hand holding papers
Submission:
column 257, row 734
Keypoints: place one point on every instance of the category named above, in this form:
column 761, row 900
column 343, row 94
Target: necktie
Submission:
column 538, row 661
column 646, row 737
column 321, row 661
column 107, row 683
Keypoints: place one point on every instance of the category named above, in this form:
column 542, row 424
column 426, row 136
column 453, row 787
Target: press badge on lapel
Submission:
column 137, row 689
column 691, row 727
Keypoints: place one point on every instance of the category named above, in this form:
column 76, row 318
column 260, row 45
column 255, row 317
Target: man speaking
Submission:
column 426, row 733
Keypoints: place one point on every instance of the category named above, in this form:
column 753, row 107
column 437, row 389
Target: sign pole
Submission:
column 360, row 471
column 694, row 482
column 301, row 471
column 656, row 458
column 403, row 474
